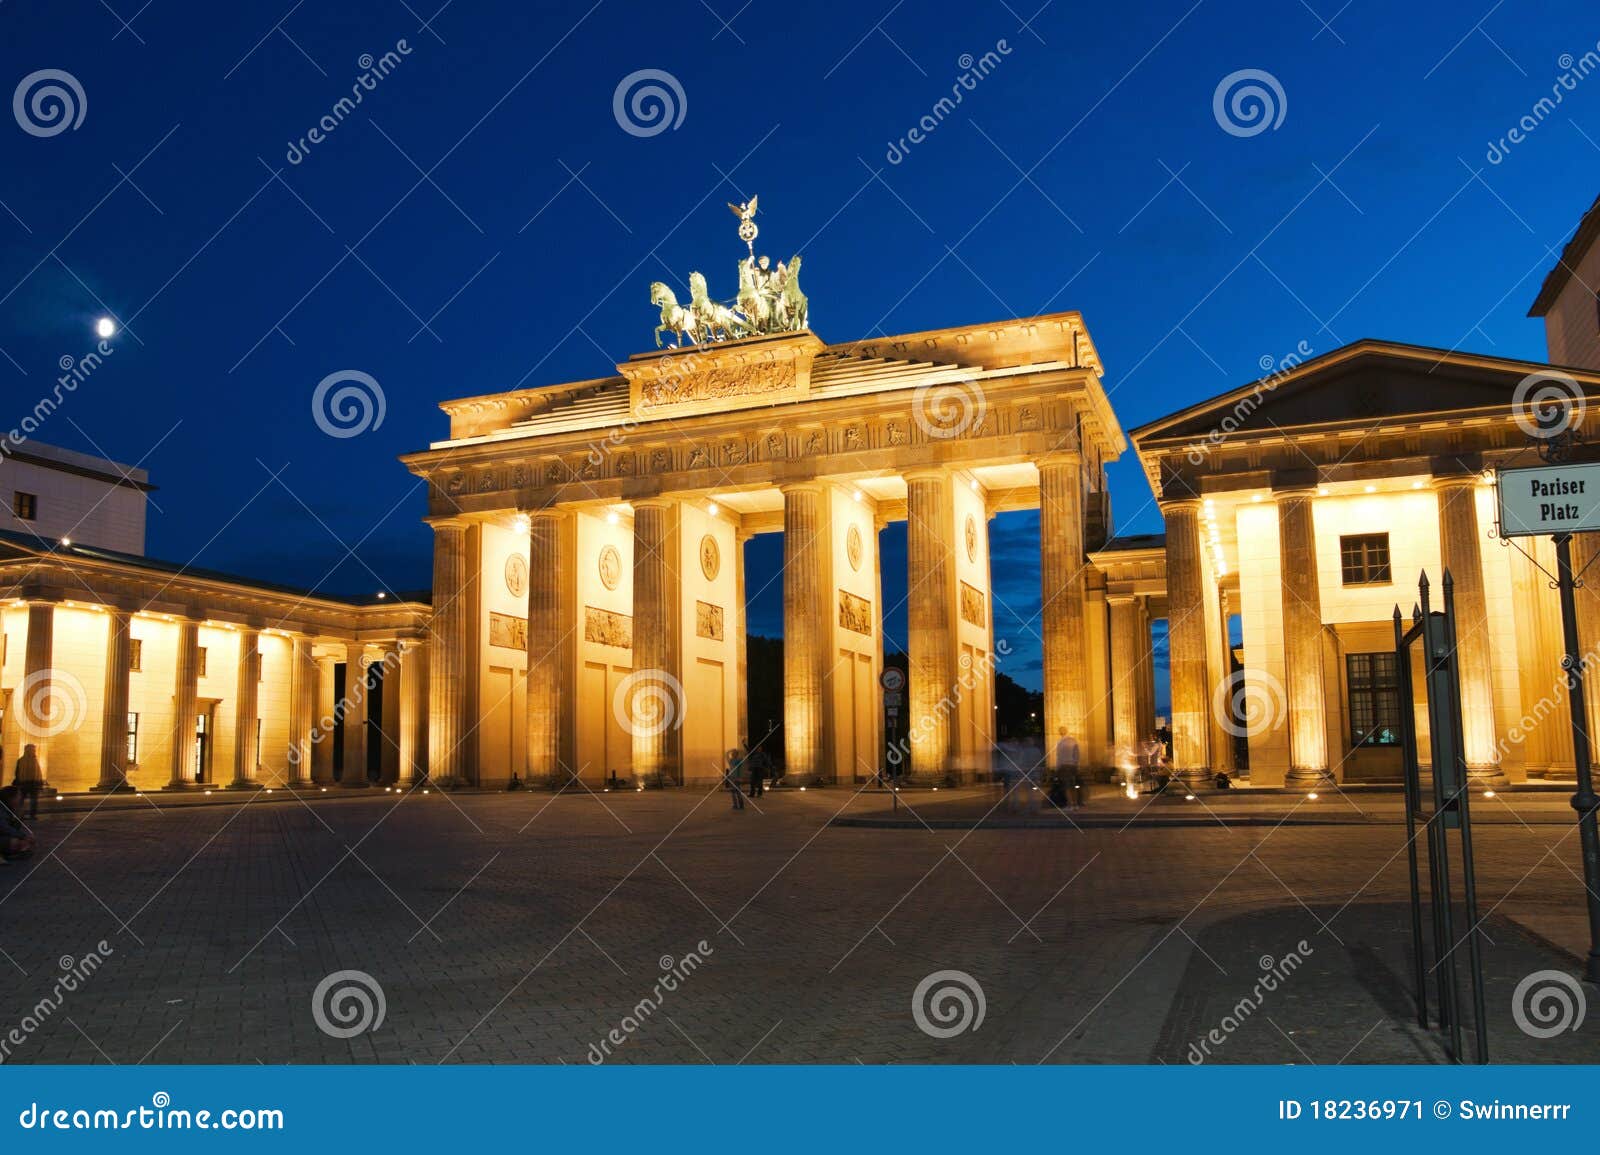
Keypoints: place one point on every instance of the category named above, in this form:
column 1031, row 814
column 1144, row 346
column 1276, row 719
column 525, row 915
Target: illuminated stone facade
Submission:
column 638, row 492
column 129, row 673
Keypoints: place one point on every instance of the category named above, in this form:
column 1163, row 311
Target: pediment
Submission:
column 1357, row 385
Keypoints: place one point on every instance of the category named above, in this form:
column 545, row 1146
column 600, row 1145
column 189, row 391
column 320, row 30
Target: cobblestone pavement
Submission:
column 525, row 927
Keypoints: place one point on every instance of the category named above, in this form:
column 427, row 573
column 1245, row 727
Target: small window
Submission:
column 135, row 654
column 200, row 670
column 133, row 739
column 1372, row 682
column 25, row 505
column 1364, row 559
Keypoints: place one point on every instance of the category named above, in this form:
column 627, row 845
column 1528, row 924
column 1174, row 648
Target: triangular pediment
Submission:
column 1358, row 385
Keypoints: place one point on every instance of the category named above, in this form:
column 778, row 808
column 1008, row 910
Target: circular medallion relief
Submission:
column 710, row 557
column 972, row 538
column 517, row 575
column 852, row 546
column 610, row 567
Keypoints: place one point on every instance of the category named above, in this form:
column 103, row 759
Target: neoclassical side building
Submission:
column 125, row 672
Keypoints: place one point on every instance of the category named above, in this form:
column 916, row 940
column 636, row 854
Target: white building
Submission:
column 51, row 493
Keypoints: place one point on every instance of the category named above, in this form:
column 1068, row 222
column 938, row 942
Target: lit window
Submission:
column 1364, row 559
column 200, row 670
column 1372, row 682
column 25, row 505
column 133, row 739
column 136, row 654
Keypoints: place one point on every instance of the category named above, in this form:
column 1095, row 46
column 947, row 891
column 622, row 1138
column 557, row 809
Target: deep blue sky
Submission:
column 1192, row 253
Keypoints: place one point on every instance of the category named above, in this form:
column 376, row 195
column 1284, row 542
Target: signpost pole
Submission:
column 1584, row 800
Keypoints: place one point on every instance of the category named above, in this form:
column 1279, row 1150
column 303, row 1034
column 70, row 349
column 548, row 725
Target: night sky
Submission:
column 482, row 220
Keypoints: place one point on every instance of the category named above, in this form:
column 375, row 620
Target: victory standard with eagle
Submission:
column 769, row 300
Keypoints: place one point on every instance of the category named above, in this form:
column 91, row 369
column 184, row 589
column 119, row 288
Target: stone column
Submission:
column 354, row 707
column 302, row 709
column 247, row 697
column 743, row 674
column 1186, row 640
column 1305, row 688
column 1062, row 581
column 1147, row 675
column 1127, row 678
column 807, row 627
column 185, row 704
column 1459, row 549
column 453, row 658
column 114, row 714
column 322, row 719
column 36, row 694
column 655, row 700
column 931, row 619
column 549, row 638
column 412, row 670
column 1585, row 548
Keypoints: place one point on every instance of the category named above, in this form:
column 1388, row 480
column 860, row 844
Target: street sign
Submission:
column 1553, row 499
column 893, row 680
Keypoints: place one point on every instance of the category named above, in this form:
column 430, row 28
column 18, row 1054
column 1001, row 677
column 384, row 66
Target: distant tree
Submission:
column 1018, row 711
column 764, row 687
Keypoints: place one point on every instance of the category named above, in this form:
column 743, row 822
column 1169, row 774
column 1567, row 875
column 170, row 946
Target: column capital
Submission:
column 808, row 485
column 449, row 521
column 1443, row 481
column 1121, row 599
column 1176, row 504
column 927, row 473
column 654, row 501
column 1293, row 482
column 1060, row 457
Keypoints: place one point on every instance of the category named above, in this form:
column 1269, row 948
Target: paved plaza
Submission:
column 528, row 927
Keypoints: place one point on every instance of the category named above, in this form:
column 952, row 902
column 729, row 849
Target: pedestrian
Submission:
column 730, row 777
column 15, row 840
column 1068, row 786
column 29, row 780
column 758, row 773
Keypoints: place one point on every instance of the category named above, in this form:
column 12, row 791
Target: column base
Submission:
column 112, row 787
column 1302, row 779
column 1195, row 778
column 1486, row 776
column 187, row 784
column 245, row 784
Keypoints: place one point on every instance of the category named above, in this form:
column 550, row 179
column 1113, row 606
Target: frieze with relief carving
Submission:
column 507, row 632
column 972, row 605
column 855, row 613
column 708, row 621
column 606, row 628
column 769, row 445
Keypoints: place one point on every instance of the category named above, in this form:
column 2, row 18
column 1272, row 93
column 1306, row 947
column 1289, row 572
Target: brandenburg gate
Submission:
column 589, row 586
